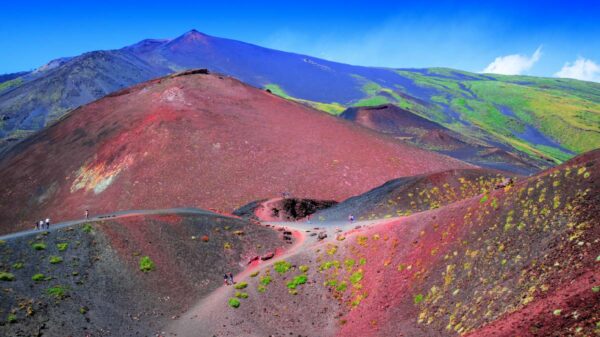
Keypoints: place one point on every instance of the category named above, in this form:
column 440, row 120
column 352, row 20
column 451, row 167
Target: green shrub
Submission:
column 2, row 242
column 38, row 246
column 58, row 292
column 88, row 228
column 265, row 280
column 296, row 281
column 62, row 246
column 418, row 298
column 234, row 302
column 18, row 265
column 303, row 268
column 240, row 294
column 146, row 264
column 5, row 276
column 483, row 199
column 356, row 277
column 240, row 285
column 38, row 277
column 12, row 318
column 349, row 263
column 83, row 310
column 55, row 259
column 282, row 266
column 342, row 286
column 261, row 288
column 254, row 274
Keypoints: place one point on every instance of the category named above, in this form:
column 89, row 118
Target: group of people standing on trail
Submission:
column 42, row 224
column 228, row 278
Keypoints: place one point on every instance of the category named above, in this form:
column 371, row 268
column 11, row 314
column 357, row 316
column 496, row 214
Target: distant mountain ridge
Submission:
column 539, row 118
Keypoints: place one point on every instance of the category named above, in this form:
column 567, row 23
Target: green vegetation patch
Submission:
column 234, row 302
column 265, row 280
column 282, row 266
column 240, row 285
column 38, row 246
column 146, row 264
column 12, row 318
column 356, row 277
column 418, row 298
column 59, row 292
column 38, row 277
column 296, row 281
column 18, row 265
column 240, row 294
column 88, row 228
column 62, row 246
column 6, row 276
column 55, row 259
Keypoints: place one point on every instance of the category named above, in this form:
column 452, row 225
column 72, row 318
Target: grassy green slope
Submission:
column 543, row 117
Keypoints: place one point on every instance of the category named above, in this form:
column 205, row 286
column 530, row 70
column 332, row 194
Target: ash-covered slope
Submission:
column 195, row 140
column 49, row 93
column 407, row 125
column 88, row 279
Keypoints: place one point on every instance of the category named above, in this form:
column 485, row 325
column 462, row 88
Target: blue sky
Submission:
column 527, row 37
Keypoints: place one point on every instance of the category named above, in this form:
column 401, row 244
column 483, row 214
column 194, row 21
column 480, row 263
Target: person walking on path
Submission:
column 87, row 214
column 231, row 278
column 41, row 224
column 226, row 279
column 47, row 223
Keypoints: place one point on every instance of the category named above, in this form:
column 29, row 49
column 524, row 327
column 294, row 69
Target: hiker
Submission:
column 87, row 214
column 36, row 224
column 351, row 218
column 308, row 218
column 47, row 223
column 41, row 224
column 226, row 279
column 231, row 278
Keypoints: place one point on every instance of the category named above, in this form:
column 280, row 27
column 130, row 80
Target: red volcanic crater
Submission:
column 195, row 140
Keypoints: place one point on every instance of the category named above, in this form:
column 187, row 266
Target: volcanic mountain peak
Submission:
column 191, row 38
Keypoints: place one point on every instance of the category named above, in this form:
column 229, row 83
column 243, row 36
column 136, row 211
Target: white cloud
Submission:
column 514, row 64
column 582, row 69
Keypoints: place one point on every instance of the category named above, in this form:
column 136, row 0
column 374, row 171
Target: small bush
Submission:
column 234, row 302
column 55, row 259
column 240, row 294
column 356, row 277
column 4, row 276
column 296, row 281
column 146, row 264
column 265, row 280
column 38, row 277
column 418, row 298
column 240, row 285
column 58, row 292
column 342, row 286
column 303, row 268
column 227, row 245
column 255, row 273
column 62, row 246
column 2, row 242
column 12, row 318
column 18, row 265
column 282, row 266
column 88, row 228
column 38, row 246
column 261, row 288
column 83, row 310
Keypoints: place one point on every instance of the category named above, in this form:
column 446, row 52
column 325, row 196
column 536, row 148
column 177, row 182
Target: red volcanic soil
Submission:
column 195, row 140
column 520, row 261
